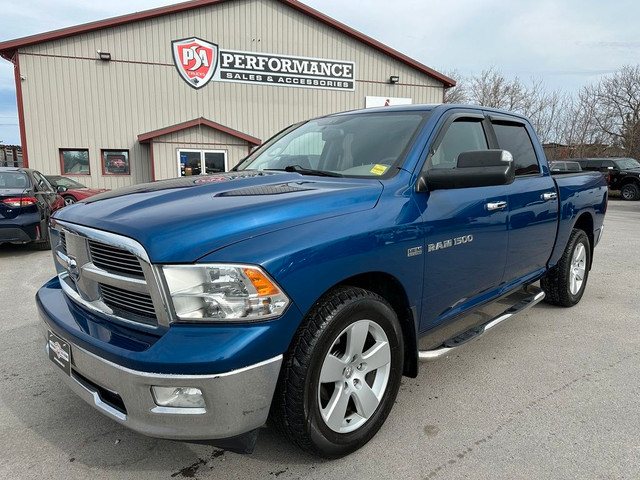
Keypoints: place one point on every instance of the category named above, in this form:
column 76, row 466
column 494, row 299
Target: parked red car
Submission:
column 75, row 191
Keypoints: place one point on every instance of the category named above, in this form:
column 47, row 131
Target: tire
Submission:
column 69, row 200
column 630, row 191
column 565, row 283
column 335, row 417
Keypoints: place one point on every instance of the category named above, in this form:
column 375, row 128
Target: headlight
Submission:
column 224, row 293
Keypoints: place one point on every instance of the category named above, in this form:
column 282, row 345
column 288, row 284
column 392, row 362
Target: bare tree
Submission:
column 616, row 105
column 457, row 94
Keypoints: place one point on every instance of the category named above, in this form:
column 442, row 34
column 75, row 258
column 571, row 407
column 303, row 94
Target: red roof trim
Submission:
column 146, row 137
column 8, row 48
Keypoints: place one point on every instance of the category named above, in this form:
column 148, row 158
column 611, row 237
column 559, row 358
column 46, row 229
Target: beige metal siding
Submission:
column 82, row 102
column 165, row 148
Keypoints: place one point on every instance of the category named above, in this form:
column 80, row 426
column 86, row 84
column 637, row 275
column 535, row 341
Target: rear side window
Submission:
column 461, row 136
column 514, row 138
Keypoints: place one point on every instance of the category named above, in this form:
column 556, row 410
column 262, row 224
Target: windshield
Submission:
column 66, row 182
column 13, row 180
column 626, row 163
column 358, row 145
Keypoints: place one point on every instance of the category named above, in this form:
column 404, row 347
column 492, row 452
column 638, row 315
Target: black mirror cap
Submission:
column 482, row 168
column 61, row 189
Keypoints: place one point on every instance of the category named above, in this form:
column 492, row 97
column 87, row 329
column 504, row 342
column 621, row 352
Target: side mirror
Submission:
column 61, row 189
column 481, row 168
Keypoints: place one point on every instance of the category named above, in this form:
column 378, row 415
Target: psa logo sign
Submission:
column 196, row 60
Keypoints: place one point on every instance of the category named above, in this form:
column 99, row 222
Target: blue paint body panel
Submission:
column 311, row 233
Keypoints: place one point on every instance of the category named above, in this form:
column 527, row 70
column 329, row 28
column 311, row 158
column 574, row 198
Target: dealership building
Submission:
column 191, row 88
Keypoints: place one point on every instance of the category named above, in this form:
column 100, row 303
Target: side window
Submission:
column 42, row 183
column 514, row 138
column 607, row 163
column 461, row 136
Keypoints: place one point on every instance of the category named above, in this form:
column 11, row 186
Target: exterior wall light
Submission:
column 106, row 56
column 394, row 79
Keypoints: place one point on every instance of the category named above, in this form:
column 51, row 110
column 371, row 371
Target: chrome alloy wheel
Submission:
column 578, row 269
column 354, row 376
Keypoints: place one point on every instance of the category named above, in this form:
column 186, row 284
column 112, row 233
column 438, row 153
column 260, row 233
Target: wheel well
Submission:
column 389, row 288
column 629, row 180
column 585, row 223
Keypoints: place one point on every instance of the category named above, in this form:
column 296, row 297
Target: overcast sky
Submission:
column 565, row 43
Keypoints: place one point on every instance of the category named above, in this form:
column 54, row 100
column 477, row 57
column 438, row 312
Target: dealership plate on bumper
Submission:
column 59, row 352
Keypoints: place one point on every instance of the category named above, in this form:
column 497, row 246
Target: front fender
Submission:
column 308, row 260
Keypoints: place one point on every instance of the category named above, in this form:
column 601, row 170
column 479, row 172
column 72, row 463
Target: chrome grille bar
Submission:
column 114, row 259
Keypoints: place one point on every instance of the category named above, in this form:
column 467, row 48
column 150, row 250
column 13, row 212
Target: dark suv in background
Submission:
column 27, row 200
column 624, row 174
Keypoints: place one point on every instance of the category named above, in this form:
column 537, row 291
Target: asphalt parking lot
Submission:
column 553, row 394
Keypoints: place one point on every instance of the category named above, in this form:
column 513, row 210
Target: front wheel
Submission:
column 69, row 200
column 342, row 373
column 630, row 191
column 565, row 283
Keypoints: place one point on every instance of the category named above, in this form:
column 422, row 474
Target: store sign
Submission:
column 196, row 60
column 199, row 61
column 371, row 102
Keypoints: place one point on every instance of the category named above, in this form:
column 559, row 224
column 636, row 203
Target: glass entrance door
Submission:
column 215, row 162
column 201, row 162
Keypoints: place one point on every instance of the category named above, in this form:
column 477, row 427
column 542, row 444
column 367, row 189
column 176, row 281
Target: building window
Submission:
column 74, row 162
column 115, row 162
column 191, row 162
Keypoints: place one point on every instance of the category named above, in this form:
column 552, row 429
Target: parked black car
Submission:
column 27, row 200
column 624, row 174
column 564, row 166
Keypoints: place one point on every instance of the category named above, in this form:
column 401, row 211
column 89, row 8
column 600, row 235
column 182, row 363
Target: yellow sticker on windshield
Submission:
column 379, row 169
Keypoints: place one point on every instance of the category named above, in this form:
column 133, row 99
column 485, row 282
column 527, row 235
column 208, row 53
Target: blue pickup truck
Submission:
column 304, row 284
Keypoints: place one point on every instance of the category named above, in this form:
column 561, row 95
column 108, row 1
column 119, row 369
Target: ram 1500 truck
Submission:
column 298, row 285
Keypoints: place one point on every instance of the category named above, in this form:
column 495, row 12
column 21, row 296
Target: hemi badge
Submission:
column 412, row 252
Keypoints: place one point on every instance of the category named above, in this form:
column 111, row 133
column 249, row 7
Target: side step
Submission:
column 534, row 295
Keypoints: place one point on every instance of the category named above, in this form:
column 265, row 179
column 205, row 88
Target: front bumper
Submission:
column 236, row 402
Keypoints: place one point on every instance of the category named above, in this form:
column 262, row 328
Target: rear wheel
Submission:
column 342, row 373
column 565, row 283
column 630, row 191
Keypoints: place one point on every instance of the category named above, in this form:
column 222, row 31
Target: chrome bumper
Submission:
column 236, row 402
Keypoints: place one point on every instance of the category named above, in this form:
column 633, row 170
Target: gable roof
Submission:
column 8, row 48
column 146, row 137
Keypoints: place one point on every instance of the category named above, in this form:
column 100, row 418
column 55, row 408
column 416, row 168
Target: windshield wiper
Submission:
column 306, row 171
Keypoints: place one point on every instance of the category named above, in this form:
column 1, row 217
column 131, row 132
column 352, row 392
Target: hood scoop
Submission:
column 277, row 189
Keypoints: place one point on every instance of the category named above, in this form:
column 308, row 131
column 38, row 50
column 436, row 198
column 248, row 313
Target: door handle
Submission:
column 549, row 196
column 496, row 205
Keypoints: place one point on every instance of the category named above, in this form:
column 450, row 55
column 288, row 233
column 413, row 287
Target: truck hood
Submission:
column 181, row 220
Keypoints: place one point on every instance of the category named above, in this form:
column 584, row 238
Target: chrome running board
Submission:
column 534, row 295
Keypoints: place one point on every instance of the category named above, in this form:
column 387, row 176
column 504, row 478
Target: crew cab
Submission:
column 299, row 284
column 623, row 174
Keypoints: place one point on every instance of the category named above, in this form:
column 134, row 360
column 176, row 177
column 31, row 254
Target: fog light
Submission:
column 182, row 397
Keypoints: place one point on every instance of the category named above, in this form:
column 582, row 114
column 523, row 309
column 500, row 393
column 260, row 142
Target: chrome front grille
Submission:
column 110, row 275
column 121, row 300
column 115, row 260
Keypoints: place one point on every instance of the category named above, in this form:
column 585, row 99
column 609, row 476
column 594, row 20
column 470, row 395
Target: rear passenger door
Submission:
column 533, row 202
